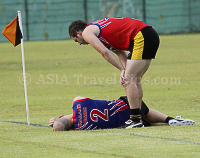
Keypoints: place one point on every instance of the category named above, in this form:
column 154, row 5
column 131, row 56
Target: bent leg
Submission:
column 155, row 116
column 135, row 69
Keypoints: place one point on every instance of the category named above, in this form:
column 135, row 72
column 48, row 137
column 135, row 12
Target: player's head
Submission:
column 76, row 26
column 62, row 124
column 75, row 31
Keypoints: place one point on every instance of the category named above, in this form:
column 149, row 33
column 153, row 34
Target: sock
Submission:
column 168, row 118
column 135, row 115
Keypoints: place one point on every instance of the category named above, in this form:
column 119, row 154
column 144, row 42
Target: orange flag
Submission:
column 12, row 32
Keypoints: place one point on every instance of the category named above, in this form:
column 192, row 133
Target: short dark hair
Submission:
column 75, row 26
column 62, row 124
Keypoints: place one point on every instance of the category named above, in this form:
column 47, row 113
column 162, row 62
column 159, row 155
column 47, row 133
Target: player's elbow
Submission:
column 105, row 54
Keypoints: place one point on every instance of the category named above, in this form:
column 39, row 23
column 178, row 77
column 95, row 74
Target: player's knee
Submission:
column 132, row 80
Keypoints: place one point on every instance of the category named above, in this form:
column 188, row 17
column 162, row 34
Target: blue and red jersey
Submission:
column 117, row 33
column 89, row 114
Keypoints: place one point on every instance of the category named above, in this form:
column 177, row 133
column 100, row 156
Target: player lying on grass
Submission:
column 89, row 114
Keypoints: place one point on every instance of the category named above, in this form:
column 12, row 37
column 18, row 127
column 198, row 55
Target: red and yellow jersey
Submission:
column 117, row 33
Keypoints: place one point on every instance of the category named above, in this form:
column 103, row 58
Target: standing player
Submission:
column 89, row 114
column 120, row 35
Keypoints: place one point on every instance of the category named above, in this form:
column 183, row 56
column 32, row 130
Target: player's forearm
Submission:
column 122, row 56
column 110, row 57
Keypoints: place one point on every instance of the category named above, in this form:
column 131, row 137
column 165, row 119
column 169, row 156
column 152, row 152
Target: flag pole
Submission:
column 23, row 68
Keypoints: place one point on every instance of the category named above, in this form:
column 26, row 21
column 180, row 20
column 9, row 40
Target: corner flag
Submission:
column 12, row 32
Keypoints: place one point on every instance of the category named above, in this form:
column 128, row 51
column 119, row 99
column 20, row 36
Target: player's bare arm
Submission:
column 90, row 34
column 122, row 56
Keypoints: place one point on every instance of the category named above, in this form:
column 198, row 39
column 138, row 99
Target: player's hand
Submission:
column 122, row 78
column 52, row 120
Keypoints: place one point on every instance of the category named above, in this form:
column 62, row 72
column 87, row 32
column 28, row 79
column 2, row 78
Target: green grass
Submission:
column 171, row 86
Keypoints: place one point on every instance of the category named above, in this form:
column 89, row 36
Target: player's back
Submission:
column 118, row 32
column 91, row 114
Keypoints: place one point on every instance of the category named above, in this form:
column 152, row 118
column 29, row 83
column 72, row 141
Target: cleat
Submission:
column 131, row 124
column 178, row 117
column 179, row 121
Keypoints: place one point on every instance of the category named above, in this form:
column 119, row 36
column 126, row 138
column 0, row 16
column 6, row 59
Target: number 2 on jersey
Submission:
column 94, row 114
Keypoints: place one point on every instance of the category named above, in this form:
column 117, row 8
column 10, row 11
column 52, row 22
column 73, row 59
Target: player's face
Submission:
column 79, row 38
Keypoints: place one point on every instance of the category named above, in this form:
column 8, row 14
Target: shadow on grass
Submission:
column 24, row 123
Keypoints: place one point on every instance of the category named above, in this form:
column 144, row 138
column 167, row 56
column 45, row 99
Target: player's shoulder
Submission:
column 91, row 29
column 79, row 98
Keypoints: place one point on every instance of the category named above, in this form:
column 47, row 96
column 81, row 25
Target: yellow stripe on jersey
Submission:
column 138, row 47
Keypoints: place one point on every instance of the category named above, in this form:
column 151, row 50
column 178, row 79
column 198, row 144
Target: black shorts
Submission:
column 144, row 45
column 144, row 111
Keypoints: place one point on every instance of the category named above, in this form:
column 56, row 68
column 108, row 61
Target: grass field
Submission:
column 58, row 71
